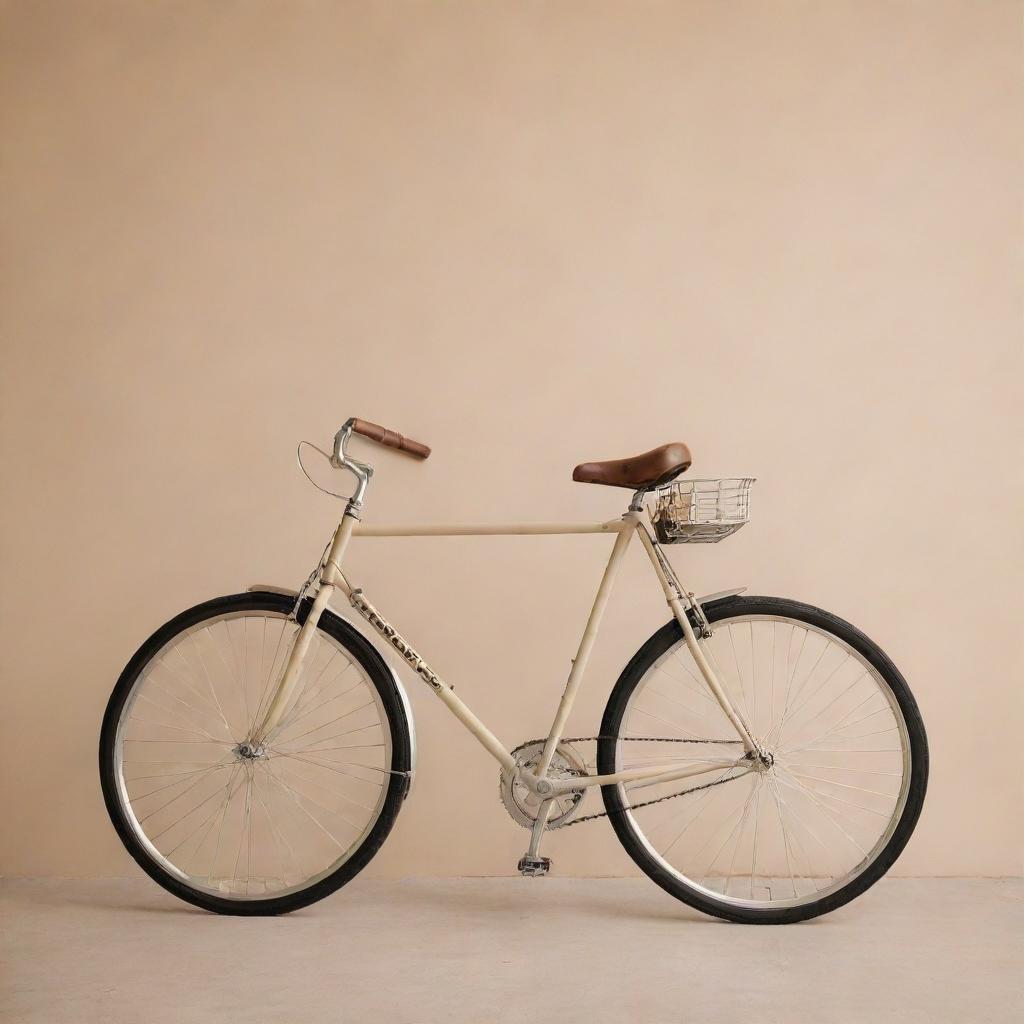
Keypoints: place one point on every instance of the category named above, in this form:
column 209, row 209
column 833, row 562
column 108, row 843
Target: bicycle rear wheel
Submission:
column 776, row 843
column 224, row 824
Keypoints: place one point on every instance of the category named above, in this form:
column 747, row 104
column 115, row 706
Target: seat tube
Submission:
column 579, row 663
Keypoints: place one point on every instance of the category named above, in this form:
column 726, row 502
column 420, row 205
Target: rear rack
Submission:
column 700, row 511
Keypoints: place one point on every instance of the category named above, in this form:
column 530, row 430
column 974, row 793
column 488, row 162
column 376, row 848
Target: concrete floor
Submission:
column 516, row 950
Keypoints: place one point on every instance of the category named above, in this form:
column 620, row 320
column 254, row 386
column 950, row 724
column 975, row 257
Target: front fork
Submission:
column 283, row 701
column 330, row 573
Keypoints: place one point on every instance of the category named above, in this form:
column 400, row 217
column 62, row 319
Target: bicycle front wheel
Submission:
column 234, row 827
column 806, row 831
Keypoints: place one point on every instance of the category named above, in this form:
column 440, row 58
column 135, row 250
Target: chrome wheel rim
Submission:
column 827, row 807
column 224, row 816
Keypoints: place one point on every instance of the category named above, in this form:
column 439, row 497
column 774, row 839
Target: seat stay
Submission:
column 674, row 595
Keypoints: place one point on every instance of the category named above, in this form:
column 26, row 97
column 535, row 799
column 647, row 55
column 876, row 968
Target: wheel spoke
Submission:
column 348, row 714
column 331, row 789
column 679, row 730
column 220, row 828
column 280, row 839
column 317, row 688
column 272, row 675
column 209, row 820
column 178, row 781
column 245, row 829
column 738, row 827
column 279, row 732
column 672, row 700
column 298, row 798
column 723, row 678
column 184, row 703
column 170, row 711
column 842, row 785
column 794, row 838
column 739, row 675
column 700, row 688
column 209, row 681
column 833, row 818
column 837, row 799
column 785, row 839
column 752, row 802
column 180, row 818
column 843, row 724
column 332, row 767
column 192, row 785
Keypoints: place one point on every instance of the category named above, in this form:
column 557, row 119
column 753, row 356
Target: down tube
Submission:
column 444, row 691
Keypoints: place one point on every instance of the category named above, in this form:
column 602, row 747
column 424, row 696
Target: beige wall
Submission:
column 786, row 233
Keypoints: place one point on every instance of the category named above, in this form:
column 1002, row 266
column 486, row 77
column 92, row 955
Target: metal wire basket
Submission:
column 700, row 511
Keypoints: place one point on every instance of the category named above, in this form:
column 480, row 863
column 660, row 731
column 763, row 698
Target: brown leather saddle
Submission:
column 640, row 472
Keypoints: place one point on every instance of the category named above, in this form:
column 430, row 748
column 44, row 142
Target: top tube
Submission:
column 490, row 530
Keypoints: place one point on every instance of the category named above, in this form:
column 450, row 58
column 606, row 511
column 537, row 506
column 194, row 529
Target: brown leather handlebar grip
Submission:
column 390, row 438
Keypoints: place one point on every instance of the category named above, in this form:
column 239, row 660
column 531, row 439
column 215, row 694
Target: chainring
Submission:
column 522, row 805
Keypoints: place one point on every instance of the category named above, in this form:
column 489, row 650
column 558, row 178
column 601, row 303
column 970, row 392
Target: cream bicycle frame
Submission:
column 332, row 579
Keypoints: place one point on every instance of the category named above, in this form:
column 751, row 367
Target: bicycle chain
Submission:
column 647, row 803
column 656, row 800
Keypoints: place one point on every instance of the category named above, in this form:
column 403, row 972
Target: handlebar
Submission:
column 340, row 459
column 389, row 438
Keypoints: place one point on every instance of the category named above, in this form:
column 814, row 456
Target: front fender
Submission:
column 403, row 696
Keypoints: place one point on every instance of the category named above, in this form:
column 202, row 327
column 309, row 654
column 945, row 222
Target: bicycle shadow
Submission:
column 468, row 899
column 518, row 898
column 116, row 895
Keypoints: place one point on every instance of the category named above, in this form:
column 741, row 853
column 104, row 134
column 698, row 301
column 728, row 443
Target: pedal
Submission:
column 534, row 867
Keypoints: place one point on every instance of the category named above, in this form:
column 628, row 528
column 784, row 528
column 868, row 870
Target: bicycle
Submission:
column 759, row 759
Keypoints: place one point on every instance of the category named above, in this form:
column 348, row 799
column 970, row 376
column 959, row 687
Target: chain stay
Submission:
column 656, row 800
column 647, row 803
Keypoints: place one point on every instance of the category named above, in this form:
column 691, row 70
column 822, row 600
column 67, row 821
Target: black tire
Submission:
column 671, row 634
column 360, row 651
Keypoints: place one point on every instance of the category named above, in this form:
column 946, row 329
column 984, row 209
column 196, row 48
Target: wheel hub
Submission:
column 761, row 760
column 249, row 751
